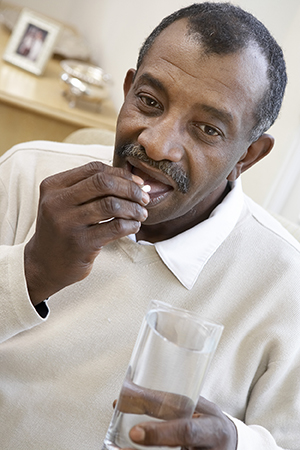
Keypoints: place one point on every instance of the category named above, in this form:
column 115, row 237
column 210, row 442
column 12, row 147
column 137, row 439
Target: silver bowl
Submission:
column 84, row 81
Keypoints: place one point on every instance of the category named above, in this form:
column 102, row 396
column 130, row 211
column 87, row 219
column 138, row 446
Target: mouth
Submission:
column 160, row 186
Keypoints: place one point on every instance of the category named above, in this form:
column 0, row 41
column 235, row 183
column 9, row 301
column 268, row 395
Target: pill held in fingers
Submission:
column 146, row 188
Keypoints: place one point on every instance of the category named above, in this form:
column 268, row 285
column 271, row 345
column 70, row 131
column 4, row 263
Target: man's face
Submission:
column 188, row 117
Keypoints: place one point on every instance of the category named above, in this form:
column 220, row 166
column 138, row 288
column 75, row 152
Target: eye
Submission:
column 207, row 133
column 149, row 101
column 210, row 131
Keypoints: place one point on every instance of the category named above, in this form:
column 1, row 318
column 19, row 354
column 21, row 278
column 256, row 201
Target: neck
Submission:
column 166, row 230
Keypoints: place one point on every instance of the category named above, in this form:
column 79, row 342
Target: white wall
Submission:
column 115, row 30
column 265, row 179
column 57, row 9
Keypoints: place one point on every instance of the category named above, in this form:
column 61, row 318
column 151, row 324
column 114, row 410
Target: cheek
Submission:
column 207, row 171
column 128, row 124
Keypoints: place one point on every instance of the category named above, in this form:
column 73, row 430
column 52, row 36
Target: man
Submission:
column 208, row 84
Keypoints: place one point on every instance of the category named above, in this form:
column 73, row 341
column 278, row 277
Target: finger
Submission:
column 204, row 406
column 201, row 433
column 104, row 233
column 103, row 185
column 136, row 399
column 72, row 176
column 107, row 208
column 210, row 430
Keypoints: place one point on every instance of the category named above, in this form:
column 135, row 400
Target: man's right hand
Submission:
column 69, row 233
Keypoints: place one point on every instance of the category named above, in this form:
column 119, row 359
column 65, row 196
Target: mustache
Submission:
column 169, row 168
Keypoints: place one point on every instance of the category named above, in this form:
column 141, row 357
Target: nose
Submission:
column 163, row 139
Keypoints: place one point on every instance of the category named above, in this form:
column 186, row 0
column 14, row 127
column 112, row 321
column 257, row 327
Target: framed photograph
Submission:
column 32, row 41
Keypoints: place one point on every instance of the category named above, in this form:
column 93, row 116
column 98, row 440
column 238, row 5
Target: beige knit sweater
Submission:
column 59, row 376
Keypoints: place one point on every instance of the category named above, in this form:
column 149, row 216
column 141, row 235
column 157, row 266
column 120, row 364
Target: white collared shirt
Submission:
column 187, row 253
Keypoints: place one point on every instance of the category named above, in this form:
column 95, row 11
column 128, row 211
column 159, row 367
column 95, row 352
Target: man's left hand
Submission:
column 209, row 428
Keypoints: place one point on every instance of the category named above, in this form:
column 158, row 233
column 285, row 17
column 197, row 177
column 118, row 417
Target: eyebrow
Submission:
column 146, row 77
column 221, row 114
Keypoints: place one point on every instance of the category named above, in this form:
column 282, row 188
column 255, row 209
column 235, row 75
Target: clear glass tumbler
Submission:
column 165, row 373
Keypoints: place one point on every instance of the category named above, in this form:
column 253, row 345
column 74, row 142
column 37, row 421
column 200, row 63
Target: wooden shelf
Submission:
column 33, row 107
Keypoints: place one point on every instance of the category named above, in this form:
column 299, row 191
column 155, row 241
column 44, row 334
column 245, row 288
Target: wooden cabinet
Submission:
column 33, row 107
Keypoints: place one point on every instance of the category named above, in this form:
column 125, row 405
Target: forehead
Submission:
column 178, row 59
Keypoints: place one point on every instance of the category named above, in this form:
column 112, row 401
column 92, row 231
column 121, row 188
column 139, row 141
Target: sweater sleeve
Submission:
column 254, row 437
column 18, row 198
column 273, row 411
column 22, row 169
column 16, row 310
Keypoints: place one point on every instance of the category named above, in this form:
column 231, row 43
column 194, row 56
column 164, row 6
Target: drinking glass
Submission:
column 165, row 373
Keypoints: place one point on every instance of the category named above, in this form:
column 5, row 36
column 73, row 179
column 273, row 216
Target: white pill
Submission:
column 146, row 188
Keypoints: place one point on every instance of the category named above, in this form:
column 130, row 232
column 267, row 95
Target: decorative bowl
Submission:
column 84, row 81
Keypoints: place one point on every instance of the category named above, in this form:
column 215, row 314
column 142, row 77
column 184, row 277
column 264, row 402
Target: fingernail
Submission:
column 137, row 434
column 145, row 213
column 138, row 226
column 138, row 180
column 145, row 198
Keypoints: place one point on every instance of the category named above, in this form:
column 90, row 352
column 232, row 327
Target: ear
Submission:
column 128, row 81
column 257, row 150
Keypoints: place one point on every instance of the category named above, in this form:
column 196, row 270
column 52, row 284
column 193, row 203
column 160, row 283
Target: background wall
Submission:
column 115, row 30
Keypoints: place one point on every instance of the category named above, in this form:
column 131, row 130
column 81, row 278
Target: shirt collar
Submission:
column 187, row 253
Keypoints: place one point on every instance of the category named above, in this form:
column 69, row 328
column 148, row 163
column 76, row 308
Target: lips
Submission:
column 157, row 187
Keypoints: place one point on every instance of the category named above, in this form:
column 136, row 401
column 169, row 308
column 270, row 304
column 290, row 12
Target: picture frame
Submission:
column 32, row 42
